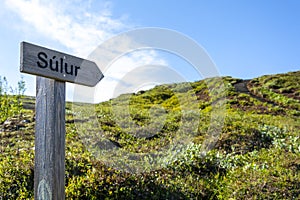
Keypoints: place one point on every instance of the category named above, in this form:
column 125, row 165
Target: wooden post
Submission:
column 49, row 174
column 49, row 171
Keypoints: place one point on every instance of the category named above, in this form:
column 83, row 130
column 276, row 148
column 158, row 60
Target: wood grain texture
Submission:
column 49, row 174
column 64, row 67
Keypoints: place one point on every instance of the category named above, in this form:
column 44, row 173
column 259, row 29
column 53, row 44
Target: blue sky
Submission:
column 245, row 39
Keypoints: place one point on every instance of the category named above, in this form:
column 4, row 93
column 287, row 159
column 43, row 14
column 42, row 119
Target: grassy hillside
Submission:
column 163, row 143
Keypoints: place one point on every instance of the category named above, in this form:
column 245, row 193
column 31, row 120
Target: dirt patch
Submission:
column 203, row 95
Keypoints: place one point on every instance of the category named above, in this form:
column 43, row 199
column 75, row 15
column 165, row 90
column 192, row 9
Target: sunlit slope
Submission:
column 256, row 154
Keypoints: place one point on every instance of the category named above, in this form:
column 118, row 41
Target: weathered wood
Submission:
column 49, row 175
column 57, row 65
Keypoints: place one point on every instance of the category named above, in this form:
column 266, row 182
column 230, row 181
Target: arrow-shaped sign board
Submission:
column 59, row 66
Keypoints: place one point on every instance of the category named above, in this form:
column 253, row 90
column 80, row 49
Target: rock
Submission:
column 13, row 124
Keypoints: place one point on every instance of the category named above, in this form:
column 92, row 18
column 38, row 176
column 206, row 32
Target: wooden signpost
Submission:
column 53, row 69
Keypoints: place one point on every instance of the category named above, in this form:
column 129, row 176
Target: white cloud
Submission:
column 125, row 75
column 81, row 27
column 76, row 27
column 122, row 68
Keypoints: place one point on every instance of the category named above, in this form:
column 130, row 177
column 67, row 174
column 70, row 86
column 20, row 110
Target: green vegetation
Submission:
column 10, row 105
column 256, row 155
